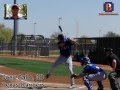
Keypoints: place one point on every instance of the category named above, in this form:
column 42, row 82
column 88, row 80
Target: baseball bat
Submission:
column 60, row 28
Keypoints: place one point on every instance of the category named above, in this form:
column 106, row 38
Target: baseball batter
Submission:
column 91, row 72
column 65, row 47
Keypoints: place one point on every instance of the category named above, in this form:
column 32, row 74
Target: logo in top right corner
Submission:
column 108, row 7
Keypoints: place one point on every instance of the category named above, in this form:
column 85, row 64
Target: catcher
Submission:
column 91, row 72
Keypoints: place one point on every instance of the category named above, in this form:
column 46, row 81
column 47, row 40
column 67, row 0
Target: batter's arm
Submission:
column 78, row 76
column 114, row 64
column 73, row 41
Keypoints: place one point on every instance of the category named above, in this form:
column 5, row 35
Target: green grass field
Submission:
column 36, row 66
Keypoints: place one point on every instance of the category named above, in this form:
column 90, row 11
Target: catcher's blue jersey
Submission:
column 91, row 69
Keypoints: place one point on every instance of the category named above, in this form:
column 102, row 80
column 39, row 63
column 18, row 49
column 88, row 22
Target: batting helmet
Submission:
column 61, row 37
column 85, row 59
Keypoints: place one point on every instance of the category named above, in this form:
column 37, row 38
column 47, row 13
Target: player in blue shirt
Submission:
column 65, row 47
column 91, row 72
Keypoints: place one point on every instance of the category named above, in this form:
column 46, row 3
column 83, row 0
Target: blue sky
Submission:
column 81, row 13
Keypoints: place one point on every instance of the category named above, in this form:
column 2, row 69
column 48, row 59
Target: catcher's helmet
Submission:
column 85, row 59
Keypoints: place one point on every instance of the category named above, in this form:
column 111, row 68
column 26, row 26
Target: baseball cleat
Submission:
column 72, row 86
column 47, row 76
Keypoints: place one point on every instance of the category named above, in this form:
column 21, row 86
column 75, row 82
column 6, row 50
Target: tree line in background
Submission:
column 109, row 34
column 6, row 34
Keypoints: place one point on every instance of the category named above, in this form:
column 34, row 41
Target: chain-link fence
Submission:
column 37, row 45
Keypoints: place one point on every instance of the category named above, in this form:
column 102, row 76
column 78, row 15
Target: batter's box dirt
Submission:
column 13, row 89
column 58, row 86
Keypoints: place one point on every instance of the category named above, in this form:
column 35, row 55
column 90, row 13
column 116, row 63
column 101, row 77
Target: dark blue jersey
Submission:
column 65, row 47
column 91, row 69
column 110, row 59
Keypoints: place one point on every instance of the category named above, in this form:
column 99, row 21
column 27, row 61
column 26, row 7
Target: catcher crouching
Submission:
column 91, row 72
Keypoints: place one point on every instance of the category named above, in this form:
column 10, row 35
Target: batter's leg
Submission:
column 70, row 68
column 58, row 61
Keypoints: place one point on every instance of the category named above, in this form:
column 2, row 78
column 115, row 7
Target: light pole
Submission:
column 59, row 21
column 34, row 28
column 15, row 33
column 100, row 33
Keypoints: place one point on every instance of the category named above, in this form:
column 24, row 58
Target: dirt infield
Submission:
column 53, row 83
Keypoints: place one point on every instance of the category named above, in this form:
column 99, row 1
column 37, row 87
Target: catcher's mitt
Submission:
column 74, row 75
